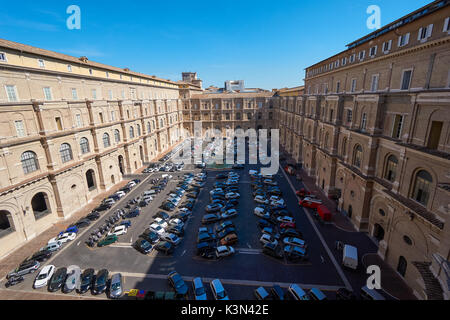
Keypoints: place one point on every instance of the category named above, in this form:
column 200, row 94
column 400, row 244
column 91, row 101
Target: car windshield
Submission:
column 200, row 291
column 115, row 286
column 101, row 281
column 221, row 294
column 86, row 280
column 59, row 277
column 42, row 276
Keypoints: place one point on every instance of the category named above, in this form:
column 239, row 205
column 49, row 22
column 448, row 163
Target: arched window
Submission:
column 90, row 180
column 106, row 141
column 84, row 145
column 391, row 168
column 117, row 135
column 29, row 162
column 138, row 130
column 357, row 156
column 327, row 138
column 131, row 132
column 66, row 153
column 422, row 186
column 149, row 127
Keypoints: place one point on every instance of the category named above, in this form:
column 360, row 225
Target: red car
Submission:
column 287, row 225
column 302, row 193
column 289, row 170
column 310, row 203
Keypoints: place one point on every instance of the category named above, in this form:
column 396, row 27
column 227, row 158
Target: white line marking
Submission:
column 330, row 254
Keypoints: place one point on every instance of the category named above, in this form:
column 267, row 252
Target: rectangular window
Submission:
column 94, row 94
column 397, row 127
column 373, row 51
column 74, row 94
column 113, row 116
column 353, row 88
column 227, row 116
column 425, row 33
column 69, row 68
column 123, row 94
column 79, row 120
column 20, row 130
column 48, row 93
column 364, row 122
column 387, row 46
column 3, row 57
column 446, row 25
column 336, row 64
column 58, row 124
column 110, row 94
column 403, row 40
column 374, row 85
column 101, row 117
column 344, row 61
column 90, row 72
column 349, row 116
column 406, row 80
column 352, row 58
column 435, row 135
column 107, row 74
column 41, row 63
column 362, row 55
column 11, row 92
column 338, row 87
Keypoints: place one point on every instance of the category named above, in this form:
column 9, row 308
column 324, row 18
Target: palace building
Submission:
column 371, row 125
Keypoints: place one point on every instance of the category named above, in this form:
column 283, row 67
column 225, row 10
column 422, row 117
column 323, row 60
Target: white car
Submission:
column 296, row 242
column 170, row 237
column 44, row 276
column 260, row 212
column 224, row 251
column 118, row 231
column 265, row 239
column 232, row 195
column 65, row 237
column 217, row 190
column 261, row 199
column 109, row 201
column 157, row 229
column 275, row 198
column 285, row 219
column 277, row 202
column 161, row 222
column 131, row 184
column 229, row 214
column 176, row 222
column 121, row 194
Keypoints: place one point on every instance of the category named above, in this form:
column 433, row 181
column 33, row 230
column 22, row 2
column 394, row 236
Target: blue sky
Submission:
column 266, row 43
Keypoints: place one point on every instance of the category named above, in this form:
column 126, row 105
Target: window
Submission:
column 79, row 120
column 122, row 92
column 69, row 68
column 422, row 185
column 110, row 94
column 397, row 127
column 344, row 147
column 406, row 79
column 20, row 130
column 387, row 46
column 352, row 58
column 84, row 145
column 100, row 115
column 11, row 92
column 58, row 121
column 74, row 94
column 331, row 115
column 391, row 168
column 374, row 85
column 149, row 127
column 403, row 40
column 3, row 57
column 357, row 156
column 338, row 87
column 113, row 116
column 344, row 61
column 362, row 55
column 260, row 105
column 353, row 88
column 106, row 141
column 445, row 29
column 138, row 130
column 29, row 162
column 41, row 63
column 90, row 72
column 107, row 74
column 270, row 115
column 131, row 132
column 117, row 135
column 227, row 116
column 364, row 122
column 48, row 93
column 238, row 116
column 66, row 153
column 435, row 135
column 90, row 180
column 349, row 116
column 373, row 51
column 94, row 94
column 425, row 33
column 336, row 64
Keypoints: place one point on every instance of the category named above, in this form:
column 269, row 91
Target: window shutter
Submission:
column 407, row 39
column 446, row 25
column 429, row 31
column 420, row 33
column 390, row 45
column 399, row 41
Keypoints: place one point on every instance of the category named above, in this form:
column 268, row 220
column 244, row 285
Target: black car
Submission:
column 101, row 282
column 205, row 247
column 57, row 280
column 177, row 282
column 273, row 250
column 86, row 281
column 277, row 292
column 275, row 192
column 103, row 207
column 238, row 166
column 224, row 225
column 188, row 205
column 284, row 233
column 40, row 256
column 221, row 176
column 205, row 237
column 12, row 281
column 226, row 232
column 161, row 214
column 168, row 206
column 143, row 246
column 176, row 230
column 93, row 216
column 345, row 294
column 83, row 223
column 150, row 236
column 263, row 223
column 133, row 213
column 210, row 218
column 183, row 216
column 193, row 195
column 165, row 247
column 282, row 213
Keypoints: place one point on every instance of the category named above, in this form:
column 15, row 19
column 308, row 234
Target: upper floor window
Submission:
column 338, row 87
column 373, row 51
column 69, row 68
column 131, row 132
column 41, row 63
column 336, row 64
column 422, row 187
column 20, row 130
column 74, row 94
column 406, row 79
column 445, row 29
column 387, row 46
column 403, row 40
column 84, row 145
column 66, row 153
column 352, row 58
column 364, row 122
column 391, row 168
column 397, row 127
column 94, row 94
column 106, row 141
column 349, row 116
column 353, row 87
column 48, row 94
column 110, row 94
column 435, row 135
column 79, row 120
column 374, row 84
column 11, row 92
column 425, row 33
column 362, row 55
column 357, row 156
column 90, row 72
column 59, row 125
column 3, row 57
column 117, row 135
column 107, row 74
column 344, row 61
column 138, row 130
column 29, row 162
column 113, row 116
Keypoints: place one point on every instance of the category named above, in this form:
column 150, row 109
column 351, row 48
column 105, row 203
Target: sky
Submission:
column 267, row 43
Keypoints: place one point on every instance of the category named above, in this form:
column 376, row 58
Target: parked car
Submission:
column 310, row 203
column 272, row 250
column 277, row 292
column 295, row 242
column 57, row 280
column 178, row 284
column 294, row 253
column 108, row 240
column 222, row 234
column 286, row 219
column 100, row 282
column 210, row 218
column 297, row 293
column 169, row 237
column 86, row 281
column 345, row 294
column 261, row 199
column 265, row 238
column 165, row 247
column 176, row 222
column 40, row 256
column 44, row 277
column 229, row 214
column 224, row 251
column 116, row 286
column 63, row 238
column 232, row 195
column 83, row 223
column 261, row 294
column 284, row 233
column 143, row 246
column 72, row 280
column 176, row 230
column 199, row 290
column 15, row 280
column 218, row 290
column 263, row 223
column 118, row 231
column 161, row 222
column 205, row 237
column 24, row 269
column 156, row 228
column 213, row 208
column 229, row 240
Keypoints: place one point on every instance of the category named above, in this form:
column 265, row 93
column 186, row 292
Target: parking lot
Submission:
column 240, row 273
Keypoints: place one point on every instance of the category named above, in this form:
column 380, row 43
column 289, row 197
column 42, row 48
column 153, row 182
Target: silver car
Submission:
column 116, row 288
column 73, row 279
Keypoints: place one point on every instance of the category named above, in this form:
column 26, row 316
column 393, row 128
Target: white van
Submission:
column 149, row 193
column 350, row 257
